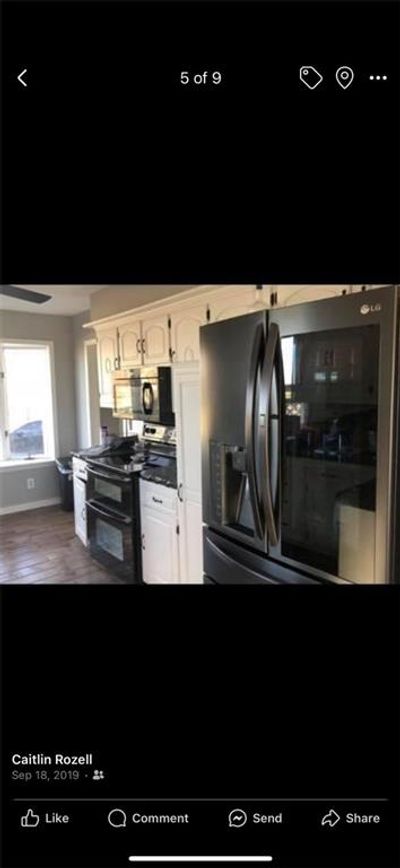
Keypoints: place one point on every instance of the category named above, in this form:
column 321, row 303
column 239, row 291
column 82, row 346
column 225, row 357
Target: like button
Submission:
column 30, row 820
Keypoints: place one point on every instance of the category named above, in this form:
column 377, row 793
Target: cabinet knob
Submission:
column 138, row 345
column 157, row 499
column 180, row 487
column 143, row 545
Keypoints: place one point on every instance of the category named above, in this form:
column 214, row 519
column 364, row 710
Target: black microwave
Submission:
column 144, row 394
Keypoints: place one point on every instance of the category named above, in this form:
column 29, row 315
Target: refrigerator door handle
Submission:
column 251, row 390
column 273, row 362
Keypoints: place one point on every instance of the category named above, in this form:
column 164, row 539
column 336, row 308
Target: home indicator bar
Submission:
column 201, row 859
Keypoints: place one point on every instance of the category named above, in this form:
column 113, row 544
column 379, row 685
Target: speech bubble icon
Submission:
column 117, row 818
column 237, row 818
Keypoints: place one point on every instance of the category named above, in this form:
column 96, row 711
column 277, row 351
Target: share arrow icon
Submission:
column 330, row 819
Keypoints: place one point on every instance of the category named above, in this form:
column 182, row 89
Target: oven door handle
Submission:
column 110, row 477
column 114, row 516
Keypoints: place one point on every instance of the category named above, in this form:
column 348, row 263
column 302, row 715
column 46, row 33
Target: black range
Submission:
column 113, row 504
column 113, row 515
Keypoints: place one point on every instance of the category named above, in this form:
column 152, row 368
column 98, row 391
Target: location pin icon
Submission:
column 344, row 76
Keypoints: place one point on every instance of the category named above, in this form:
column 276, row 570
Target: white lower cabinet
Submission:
column 79, row 502
column 190, row 542
column 159, row 529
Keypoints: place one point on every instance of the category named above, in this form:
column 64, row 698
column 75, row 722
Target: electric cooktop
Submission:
column 154, row 468
column 126, row 464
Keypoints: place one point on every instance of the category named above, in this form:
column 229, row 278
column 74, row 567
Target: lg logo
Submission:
column 370, row 308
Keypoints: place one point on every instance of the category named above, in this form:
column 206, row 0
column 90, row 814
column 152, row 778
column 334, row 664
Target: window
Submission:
column 26, row 401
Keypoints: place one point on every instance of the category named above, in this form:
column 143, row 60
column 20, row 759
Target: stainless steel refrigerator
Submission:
column 300, row 442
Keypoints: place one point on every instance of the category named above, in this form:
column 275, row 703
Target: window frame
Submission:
column 5, row 459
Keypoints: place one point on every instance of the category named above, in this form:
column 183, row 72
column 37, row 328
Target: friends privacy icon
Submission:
column 310, row 77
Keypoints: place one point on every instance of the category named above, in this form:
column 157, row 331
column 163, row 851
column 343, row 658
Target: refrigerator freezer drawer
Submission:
column 229, row 563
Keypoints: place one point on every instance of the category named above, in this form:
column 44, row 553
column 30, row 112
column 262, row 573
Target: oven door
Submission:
column 111, row 541
column 110, row 490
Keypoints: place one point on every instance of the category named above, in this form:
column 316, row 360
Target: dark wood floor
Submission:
column 40, row 547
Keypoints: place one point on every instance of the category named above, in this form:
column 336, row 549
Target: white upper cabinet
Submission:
column 155, row 340
column 233, row 301
column 185, row 334
column 130, row 344
column 80, row 509
column 298, row 294
column 108, row 361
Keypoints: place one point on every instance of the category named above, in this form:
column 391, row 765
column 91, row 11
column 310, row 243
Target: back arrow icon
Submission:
column 20, row 77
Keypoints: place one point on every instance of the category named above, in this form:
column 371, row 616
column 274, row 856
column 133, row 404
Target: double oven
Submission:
column 113, row 516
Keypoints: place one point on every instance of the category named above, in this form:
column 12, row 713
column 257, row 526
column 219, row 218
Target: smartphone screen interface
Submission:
column 200, row 433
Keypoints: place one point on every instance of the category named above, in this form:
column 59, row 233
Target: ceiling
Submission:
column 66, row 300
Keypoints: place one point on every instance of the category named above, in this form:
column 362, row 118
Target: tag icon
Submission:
column 310, row 76
column 344, row 76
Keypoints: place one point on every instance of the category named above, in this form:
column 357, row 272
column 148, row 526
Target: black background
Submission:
column 206, row 692
column 112, row 173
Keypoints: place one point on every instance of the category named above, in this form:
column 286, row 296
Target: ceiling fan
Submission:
column 24, row 294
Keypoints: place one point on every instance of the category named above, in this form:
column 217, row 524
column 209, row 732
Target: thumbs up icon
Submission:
column 30, row 819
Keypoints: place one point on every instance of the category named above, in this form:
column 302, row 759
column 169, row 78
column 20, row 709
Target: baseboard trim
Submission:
column 24, row 507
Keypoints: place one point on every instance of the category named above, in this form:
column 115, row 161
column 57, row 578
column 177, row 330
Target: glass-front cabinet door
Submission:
column 329, row 446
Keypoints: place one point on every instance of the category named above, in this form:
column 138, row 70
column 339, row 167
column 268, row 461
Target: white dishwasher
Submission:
column 79, row 469
column 159, row 529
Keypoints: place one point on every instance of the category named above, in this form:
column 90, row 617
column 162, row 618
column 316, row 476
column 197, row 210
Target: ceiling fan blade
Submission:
column 24, row 294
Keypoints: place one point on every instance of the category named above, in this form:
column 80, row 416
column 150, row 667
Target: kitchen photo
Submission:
column 161, row 434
